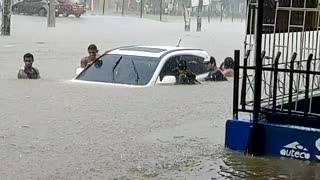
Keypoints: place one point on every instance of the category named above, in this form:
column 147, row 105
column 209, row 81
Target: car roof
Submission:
column 148, row 51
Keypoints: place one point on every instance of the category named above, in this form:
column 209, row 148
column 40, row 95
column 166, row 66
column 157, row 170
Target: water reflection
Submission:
column 245, row 167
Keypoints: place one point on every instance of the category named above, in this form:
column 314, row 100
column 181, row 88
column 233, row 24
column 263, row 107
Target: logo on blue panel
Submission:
column 295, row 150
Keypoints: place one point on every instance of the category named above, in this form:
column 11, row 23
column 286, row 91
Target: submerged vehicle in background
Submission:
column 71, row 7
column 31, row 7
column 141, row 66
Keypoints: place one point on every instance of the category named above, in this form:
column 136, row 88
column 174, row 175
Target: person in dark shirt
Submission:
column 28, row 72
column 185, row 76
column 215, row 73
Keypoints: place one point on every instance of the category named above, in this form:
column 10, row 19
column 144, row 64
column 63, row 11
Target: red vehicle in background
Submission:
column 74, row 7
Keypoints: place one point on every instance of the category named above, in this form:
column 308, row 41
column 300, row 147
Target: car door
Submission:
column 195, row 64
column 170, row 68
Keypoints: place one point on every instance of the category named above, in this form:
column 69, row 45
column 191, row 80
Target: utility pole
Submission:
column 52, row 14
column 141, row 8
column 92, row 6
column 122, row 12
column 187, row 17
column 221, row 13
column 6, row 18
column 160, row 10
column 154, row 6
column 232, row 9
column 104, row 6
column 258, row 60
column 199, row 15
column 209, row 9
column 254, row 141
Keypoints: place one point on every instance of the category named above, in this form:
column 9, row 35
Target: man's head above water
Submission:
column 93, row 55
column 28, row 72
column 28, row 60
column 92, row 50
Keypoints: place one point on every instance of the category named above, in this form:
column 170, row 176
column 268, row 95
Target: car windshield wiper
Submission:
column 136, row 71
column 114, row 67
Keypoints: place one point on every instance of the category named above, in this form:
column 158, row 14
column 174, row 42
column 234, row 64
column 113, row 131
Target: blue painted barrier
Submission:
column 275, row 139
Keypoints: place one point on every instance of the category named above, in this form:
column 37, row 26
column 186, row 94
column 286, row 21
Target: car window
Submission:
column 195, row 64
column 121, row 69
column 170, row 68
column 32, row 1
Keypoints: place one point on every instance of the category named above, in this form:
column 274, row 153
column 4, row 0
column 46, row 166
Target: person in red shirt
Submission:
column 93, row 55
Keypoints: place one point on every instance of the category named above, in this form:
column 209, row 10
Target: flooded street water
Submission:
column 55, row 129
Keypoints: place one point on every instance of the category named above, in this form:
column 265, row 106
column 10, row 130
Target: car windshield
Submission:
column 121, row 69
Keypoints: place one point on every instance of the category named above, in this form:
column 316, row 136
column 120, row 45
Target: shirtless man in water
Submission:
column 93, row 54
column 28, row 72
column 227, row 67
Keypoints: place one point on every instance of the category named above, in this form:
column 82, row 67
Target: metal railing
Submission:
column 290, row 71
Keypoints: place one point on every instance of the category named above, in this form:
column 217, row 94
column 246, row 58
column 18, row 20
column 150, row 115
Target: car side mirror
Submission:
column 167, row 80
column 79, row 70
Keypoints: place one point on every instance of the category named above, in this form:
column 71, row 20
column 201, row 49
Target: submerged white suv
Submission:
column 143, row 66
